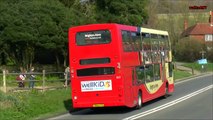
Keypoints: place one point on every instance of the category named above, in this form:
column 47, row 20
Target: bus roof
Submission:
column 102, row 24
column 147, row 30
column 142, row 29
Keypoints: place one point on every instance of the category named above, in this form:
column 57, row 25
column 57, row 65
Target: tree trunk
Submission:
column 57, row 62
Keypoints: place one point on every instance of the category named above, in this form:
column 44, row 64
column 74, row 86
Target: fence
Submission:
column 43, row 81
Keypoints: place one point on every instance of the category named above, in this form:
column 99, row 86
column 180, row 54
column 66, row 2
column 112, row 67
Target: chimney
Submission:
column 211, row 18
column 185, row 24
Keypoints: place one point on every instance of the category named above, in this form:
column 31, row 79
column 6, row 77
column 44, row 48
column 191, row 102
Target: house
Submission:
column 201, row 31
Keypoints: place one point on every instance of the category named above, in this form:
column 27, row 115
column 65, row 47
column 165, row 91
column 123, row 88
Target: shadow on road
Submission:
column 112, row 110
column 68, row 104
column 106, row 110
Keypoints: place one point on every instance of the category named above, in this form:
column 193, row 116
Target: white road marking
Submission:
column 136, row 116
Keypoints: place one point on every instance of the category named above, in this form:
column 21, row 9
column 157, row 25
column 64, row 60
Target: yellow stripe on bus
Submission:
column 153, row 87
column 160, row 32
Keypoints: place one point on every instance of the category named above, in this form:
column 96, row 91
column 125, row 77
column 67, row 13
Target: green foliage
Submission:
column 209, row 55
column 131, row 12
column 28, row 27
column 32, row 24
column 30, row 105
column 188, row 49
column 15, row 104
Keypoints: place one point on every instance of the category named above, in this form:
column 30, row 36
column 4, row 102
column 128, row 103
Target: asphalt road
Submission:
column 192, row 99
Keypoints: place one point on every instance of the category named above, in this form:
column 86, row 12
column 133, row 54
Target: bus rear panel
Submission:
column 94, row 66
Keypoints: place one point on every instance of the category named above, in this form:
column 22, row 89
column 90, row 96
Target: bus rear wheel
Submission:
column 139, row 103
column 166, row 92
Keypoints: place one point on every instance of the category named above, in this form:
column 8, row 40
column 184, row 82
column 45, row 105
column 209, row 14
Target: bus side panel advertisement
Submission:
column 96, row 85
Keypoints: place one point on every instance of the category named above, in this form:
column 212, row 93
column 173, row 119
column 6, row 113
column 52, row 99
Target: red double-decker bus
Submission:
column 118, row 65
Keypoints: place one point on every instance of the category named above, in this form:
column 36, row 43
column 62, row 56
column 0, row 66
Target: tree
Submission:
column 16, row 34
column 131, row 12
column 32, row 24
column 188, row 49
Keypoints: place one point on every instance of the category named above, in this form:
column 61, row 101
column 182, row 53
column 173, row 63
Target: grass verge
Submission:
column 196, row 66
column 178, row 74
column 33, row 104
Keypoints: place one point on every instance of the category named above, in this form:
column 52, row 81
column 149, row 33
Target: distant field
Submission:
column 190, row 15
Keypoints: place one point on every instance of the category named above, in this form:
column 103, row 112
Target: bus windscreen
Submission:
column 93, row 37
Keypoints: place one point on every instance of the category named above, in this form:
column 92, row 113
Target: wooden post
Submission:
column 4, row 82
column 43, row 79
column 66, row 77
column 192, row 71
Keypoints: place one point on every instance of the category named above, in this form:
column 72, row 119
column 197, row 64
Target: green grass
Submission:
column 196, row 66
column 181, row 74
column 31, row 105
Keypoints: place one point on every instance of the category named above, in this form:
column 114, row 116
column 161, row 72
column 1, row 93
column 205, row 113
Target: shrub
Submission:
column 209, row 55
column 188, row 49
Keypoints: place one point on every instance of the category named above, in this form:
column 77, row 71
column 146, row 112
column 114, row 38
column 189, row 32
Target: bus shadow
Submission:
column 106, row 110
column 146, row 104
column 68, row 105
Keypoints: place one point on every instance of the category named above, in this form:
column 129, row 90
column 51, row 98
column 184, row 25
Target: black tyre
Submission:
column 166, row 92
column 139, row 102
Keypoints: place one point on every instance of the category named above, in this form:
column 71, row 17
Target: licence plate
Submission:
column 98, row 105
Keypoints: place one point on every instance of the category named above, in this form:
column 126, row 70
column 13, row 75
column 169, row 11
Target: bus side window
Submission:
column 171, row 69
column 154, row 41
column 164, row 45
column 140, row 72
column 156, row 57
column 166, row 42
column 146, row 41
column 106, row 37
column 147, row 56
column 126, row 43
column 149, row 73
column 124, row 40
column 80, row 39
column 136, row 41
column 157, row 71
